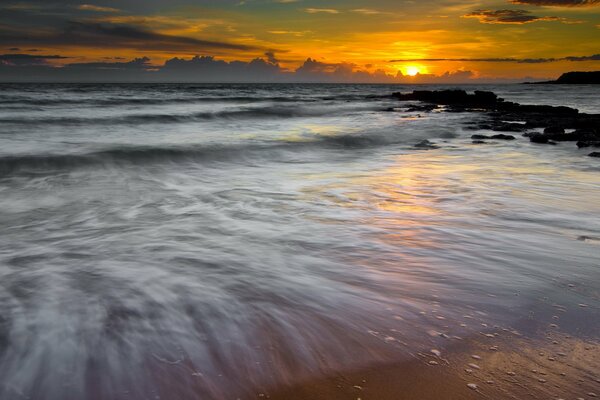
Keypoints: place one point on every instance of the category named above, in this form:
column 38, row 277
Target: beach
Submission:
column 292, row 242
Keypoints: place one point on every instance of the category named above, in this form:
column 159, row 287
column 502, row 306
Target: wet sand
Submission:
column 503, row 366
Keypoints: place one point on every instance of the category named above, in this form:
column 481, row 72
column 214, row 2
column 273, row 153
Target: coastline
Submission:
column 553, row 367
column 559, row 123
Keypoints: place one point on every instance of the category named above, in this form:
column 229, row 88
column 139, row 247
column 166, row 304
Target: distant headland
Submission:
column 576, row 78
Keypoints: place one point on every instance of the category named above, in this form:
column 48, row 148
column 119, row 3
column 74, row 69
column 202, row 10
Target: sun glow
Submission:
column 412, row 71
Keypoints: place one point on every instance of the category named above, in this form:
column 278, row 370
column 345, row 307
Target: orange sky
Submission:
column 368, row 35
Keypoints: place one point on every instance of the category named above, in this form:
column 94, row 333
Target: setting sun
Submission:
column 412, row 71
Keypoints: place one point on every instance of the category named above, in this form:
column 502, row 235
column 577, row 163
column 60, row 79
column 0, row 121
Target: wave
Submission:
column 124, row 101
column 243, row 113
column 47, row 164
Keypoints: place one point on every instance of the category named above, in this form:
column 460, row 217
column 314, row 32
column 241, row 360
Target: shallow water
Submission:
column 204, row 241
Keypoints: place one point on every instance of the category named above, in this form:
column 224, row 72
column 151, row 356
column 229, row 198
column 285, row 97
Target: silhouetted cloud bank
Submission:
column 508, row 17
column 558, row 3
column 594, row 57
column 34, row 68
column 17, row 67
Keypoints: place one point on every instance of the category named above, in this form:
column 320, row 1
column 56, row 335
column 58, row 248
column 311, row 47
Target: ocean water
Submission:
column 214, row 241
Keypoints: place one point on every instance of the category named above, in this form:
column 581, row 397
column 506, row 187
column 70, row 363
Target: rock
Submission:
column 503, row 137
column 583, row 143
column 594, row 154
column 577, row 78
column 472, row 386
column 480, row 99
column 539, row 138
column 422, row 108
column 426, row 144
column 554, row 129
column 509, row 127
column 479, row 137
column 479, row 142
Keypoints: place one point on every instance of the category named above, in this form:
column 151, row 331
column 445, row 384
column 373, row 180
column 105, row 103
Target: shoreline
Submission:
column 559, row 123
column 553, row 367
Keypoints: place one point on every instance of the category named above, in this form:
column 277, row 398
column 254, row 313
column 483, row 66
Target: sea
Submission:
column 212, row 241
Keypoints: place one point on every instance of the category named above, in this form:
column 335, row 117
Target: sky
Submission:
column 298, row 40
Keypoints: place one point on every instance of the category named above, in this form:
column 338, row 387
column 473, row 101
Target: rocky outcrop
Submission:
column 559, row 123
column 576, row 78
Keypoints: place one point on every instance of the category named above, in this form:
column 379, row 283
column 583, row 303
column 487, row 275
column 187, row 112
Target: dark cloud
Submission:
column 209, row 69
column 558, row 3
column 27, row 59
column 131, row 36
column 507, row 17
column 95, row 35
column 142, row 64
column 594, row 57
column 37, row 25
column 271, row 57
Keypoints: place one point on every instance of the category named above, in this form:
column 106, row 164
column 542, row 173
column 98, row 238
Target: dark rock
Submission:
column 503, row 137
column 479, row 99
column 509, row 127
column 577, row 78
column 421, row 108
column 554, row 129
column 426, row 144
column 582, row 144
column 539, row 138
column 594, row 154
column 584, row 128
column 587, row 131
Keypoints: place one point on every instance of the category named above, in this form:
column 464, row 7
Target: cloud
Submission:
column 507, row 17
column 137, row 63
column 271, row 57
column 110, row 36
column 136, row 37
column 27, row 59
column 321, row 10
column 558, row 3
column 594, row 57
column 284, row 32
column 91, row 7
column 203, row 69
column 367, row 11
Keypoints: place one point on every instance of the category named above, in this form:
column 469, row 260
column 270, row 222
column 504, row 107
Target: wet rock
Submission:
column 459, row 100
column 421, row 107
column 503, row 137
column 554, row 129
column 479, row 137
column 594, row 154
column 479, row 142
column 584, row 143
column 426, row 144
column 509, row 127
column 539, row 138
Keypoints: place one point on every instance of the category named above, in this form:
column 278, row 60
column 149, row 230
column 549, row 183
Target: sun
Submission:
column 412, row 71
